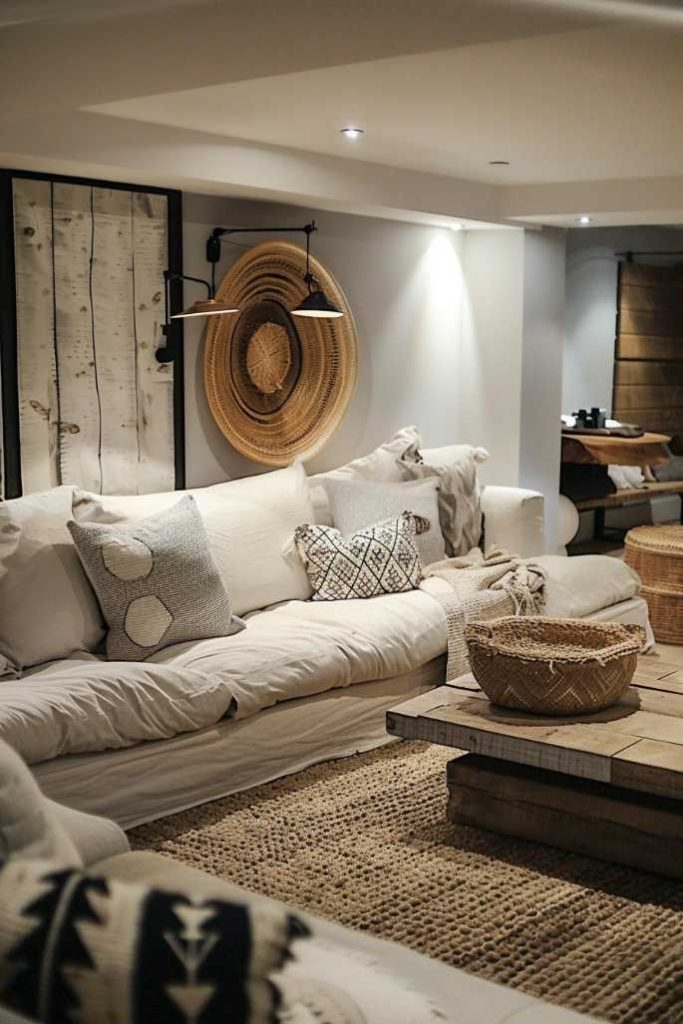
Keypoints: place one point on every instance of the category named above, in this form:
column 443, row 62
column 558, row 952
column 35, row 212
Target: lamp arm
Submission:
column 164, row 354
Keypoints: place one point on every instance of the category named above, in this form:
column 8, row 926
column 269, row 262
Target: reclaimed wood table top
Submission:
column 637, row 743
column 604, row 449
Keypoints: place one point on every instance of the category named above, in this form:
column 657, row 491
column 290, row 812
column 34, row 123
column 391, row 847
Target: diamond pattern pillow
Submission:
column 380, row 559
column 156, row 581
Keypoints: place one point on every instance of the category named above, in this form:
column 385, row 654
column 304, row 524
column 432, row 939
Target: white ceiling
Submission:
column 583, row 97
column 577, row 106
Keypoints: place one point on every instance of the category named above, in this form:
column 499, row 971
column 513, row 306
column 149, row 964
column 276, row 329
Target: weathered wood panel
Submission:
column 114, row 337
column 650, row 330
column 78, row 373
column 648, row 396
column 38, row 398
column 659, row 322
column 641, row 372
column 649, row 275
column 635, row 346
column 96, row 409
column 154, row 380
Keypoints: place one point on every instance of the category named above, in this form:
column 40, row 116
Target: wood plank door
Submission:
column 648, row 367
column 94, row 407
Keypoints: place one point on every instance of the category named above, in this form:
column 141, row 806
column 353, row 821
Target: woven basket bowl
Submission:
column 656, row 554
column 553, row 666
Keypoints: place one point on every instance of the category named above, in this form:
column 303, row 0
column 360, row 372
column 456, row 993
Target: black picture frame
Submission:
column 8, row 317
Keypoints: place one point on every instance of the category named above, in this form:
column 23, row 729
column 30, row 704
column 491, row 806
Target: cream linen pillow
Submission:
column 381, row 466
column 455, row 466
column 248, row 522
column 47, row 607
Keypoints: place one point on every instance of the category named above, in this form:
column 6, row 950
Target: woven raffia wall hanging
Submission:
column 277, row 385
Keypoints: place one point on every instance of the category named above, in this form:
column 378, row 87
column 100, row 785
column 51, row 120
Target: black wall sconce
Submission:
column 315, row 304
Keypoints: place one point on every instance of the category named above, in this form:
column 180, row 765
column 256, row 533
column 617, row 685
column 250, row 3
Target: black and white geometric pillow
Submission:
column 98, row 951
column 380, row 559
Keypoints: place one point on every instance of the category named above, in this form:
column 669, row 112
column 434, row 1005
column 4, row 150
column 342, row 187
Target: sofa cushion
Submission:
column 459, row 494
column 112, row 952
column 29, row 824
column 47, row 607
column 381, row 559
column 156, row 581
column 249, row 523
column 380, row 466
column 580, row 586
column 355, row 504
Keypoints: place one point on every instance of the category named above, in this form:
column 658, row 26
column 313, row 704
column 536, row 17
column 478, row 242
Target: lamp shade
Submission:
column 317, row 305
column 206, row 307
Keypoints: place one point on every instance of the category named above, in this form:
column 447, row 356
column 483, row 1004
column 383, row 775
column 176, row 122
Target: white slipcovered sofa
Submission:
column 356, row 978
column 304, row 682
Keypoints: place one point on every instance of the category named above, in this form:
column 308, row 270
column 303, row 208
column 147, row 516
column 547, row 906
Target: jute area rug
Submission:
column 365, row 841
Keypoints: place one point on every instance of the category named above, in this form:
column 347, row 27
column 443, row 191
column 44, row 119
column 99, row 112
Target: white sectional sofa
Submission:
column 304, row 682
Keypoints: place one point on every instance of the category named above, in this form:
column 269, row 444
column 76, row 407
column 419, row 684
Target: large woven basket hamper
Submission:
column 553, row 666
column 656, row 554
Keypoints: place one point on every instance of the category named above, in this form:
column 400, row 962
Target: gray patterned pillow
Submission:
column 156, row 581
column 381, row 559
column 459, row 499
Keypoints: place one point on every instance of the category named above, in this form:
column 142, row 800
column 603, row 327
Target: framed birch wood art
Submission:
column 85, row 401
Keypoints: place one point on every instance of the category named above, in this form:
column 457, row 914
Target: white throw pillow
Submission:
column 356, row 504
column 380, row 466
column 29, row 825
column 626, row 478
column 248, row 522
column 47, row 607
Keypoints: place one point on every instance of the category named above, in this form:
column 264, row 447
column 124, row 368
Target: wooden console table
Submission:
column 608, row 784
column 607, row 450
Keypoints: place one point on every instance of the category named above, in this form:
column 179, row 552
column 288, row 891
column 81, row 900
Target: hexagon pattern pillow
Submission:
column 156, row 581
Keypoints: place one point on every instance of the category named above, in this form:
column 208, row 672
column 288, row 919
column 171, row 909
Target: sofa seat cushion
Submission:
column 577, row 587
column 292, row 650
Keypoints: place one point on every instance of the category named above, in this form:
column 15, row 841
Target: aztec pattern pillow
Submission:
column 156, row 581
column 381, row 559
column 459, row 498
column 356, row 504
column 79, row 948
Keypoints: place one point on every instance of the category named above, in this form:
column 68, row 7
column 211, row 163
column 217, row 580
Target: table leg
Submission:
column 586, row 817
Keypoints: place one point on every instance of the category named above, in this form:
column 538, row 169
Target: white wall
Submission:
column 591, row 307
column 459, row 332
column 405, row 285
column 543, row 348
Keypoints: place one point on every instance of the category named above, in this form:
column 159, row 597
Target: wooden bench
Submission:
column 628, row 496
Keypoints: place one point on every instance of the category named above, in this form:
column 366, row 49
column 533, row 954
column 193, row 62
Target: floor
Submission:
column 664, row 662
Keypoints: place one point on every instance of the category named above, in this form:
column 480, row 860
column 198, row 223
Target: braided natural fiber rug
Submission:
column 365, row 841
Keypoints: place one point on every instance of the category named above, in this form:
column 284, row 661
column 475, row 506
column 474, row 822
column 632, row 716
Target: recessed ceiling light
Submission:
column 499, row 163
column 351, row 133
column 584, row 219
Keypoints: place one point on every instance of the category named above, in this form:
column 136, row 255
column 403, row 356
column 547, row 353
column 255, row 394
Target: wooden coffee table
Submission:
column 609, row 784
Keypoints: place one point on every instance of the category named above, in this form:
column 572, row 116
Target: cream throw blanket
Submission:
column 482, row 587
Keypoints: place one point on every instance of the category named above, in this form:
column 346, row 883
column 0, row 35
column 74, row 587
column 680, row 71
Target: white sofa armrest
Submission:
column 513, row 520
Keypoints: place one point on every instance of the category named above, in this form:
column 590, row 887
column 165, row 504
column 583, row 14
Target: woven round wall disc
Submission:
column 278, row 385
